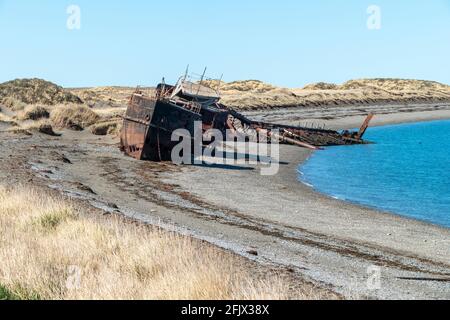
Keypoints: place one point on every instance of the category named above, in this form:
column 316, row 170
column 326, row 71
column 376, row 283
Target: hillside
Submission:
column 395, row 85
column 101, row 97
column 248, row 95
column 36, row 105
column 36, row 91
column 244, row 95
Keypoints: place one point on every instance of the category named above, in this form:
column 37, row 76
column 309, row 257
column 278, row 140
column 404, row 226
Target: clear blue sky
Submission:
column 284, row 42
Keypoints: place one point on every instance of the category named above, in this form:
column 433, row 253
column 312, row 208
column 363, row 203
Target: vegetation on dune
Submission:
column 111, row 127
column 34, row 112
column 74, row 117
column 107, row 97
column 111, row 113
column 321, row 86
column 28, row 128
column 13, row 104
column 254, row 94
column 105, row 105
column 7, row 119
column 248, row 95
column 36, row 91
column 383, row 84
column 248, row 85
column 395, row 85
column 52, row 248
column 46, row 128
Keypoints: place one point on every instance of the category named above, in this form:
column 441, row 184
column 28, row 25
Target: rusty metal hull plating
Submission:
column 150, row 123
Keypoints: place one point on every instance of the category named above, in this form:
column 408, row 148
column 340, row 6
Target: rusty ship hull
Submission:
column 148, row 126
column 150, row 122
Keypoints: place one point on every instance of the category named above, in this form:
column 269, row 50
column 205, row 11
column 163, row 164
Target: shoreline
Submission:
column 383, row 123
column 275, row 221
column 395, row 119
column 367, row 207
column 384, row 232
column 374, row 208
column 327, row 240
column 339, row 118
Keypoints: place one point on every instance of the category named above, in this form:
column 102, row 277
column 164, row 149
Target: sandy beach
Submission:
column 218, row 153
column 275, row 221
column 350, row 117
column 332, row 241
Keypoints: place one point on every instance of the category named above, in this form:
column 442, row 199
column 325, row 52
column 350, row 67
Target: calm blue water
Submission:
column 406, row 172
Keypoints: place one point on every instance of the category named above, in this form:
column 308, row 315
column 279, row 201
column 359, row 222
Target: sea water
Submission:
column 406, row 171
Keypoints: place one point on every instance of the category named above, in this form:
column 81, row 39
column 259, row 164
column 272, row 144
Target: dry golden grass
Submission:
column 248, row 95
column 107, row 97
column 240, row 86
column 110, row 122
column 50, row 248
column 254, row 94
column 34, row 112
column 36, row 91
column 321, row 86
column 104, row 128
column 76, row 117
column 109, row 113
column 13, row 104
column 28, row 128
column 243, row 95
column 103, row 121
column 5, row 118
column 31, row 119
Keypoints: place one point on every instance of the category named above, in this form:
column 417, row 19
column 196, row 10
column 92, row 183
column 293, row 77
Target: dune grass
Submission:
column 38, row 118
column 36, row 91
column 5, row 118
column 28, row 128
column 51, row 248
column 104, row 128
column 13, row 104
column 110, row 122
column 34, row 112
column 75, row 117
column 111, row 113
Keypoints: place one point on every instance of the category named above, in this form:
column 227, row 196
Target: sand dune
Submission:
column 248, row 95
column 109, row 103
column 102, row 97
column 32, row 91
column 243, row 95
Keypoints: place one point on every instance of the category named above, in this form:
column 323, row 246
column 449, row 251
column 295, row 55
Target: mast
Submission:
column 201, row 80
column 220, row 82
column 186, row 73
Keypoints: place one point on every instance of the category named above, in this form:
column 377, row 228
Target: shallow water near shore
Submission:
column 406, row 171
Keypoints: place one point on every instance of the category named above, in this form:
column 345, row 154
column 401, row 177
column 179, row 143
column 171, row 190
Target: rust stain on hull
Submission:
column 150, row 121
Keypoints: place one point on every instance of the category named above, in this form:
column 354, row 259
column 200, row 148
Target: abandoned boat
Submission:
column 150, row 121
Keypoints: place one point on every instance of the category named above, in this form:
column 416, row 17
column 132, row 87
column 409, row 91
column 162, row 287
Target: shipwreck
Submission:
column 150, row 121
